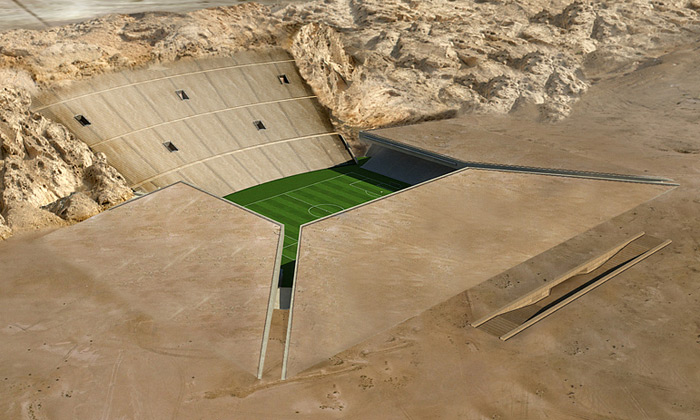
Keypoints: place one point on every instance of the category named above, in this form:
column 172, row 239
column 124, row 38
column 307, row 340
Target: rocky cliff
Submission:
column 372, row 63
column 42, row 164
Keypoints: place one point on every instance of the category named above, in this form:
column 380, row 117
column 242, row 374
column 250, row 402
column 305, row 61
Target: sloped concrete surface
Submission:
column 115, row 316
column 133, row 114
column 427, row 244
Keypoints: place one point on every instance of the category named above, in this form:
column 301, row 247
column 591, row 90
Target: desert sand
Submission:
column 612, row 81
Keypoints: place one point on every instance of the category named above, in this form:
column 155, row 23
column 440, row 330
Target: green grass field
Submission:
column 303, row 198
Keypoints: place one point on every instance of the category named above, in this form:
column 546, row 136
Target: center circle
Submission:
column 322, row 210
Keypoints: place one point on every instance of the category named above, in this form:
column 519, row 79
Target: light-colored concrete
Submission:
column 429, row 243
column 134, row 112
column 173, row 288
column 544, row 290
column 627, row 259
column 463, row 142
column 541, row 272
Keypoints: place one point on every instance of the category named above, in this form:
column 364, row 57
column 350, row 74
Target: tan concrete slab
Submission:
column 265, row 65
column 178, row 280
column 204, row 173
column 429, row 243
column 538, row 304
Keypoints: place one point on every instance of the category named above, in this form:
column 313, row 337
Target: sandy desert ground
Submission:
column 613, row 81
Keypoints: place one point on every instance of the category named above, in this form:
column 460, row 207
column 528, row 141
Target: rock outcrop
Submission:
column 42, row 162
column 393, row 61
column 379, row 62
column 372, row 63
column 75, row 207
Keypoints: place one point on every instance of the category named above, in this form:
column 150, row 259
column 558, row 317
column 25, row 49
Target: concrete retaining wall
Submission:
column 401, row 166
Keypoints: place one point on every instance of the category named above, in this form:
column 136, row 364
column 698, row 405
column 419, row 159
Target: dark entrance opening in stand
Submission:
column 170, row 146
column 283, row 79
column 259, row 125
column 82, row 120
column 182, row 95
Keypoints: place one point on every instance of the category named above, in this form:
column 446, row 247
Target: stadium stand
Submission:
column 221, row 124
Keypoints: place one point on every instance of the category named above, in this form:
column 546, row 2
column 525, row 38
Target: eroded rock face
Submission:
column 106, row 186
column 5, row 231
column 379, row 62
column 113, row 42
column 415, row 60
column 75, row 207
column 372, row 63
column 41, row 162
column 22, row 216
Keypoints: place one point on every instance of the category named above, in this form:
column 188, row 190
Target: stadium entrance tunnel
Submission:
column 310, row 196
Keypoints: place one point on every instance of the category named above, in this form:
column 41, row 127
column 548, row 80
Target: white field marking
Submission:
column 296, row 189
column 235, row 66
column 312, row 206
column 318, row 206
column 352, row 184
column 378, row 184
column 292, row 258
column 295, row 240
column 369, row 193
column 300, row 200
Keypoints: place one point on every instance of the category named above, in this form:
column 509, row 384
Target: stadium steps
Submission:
column 531, row 308
column 498, row 326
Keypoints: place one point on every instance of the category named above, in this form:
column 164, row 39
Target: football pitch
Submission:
column 303, row 198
